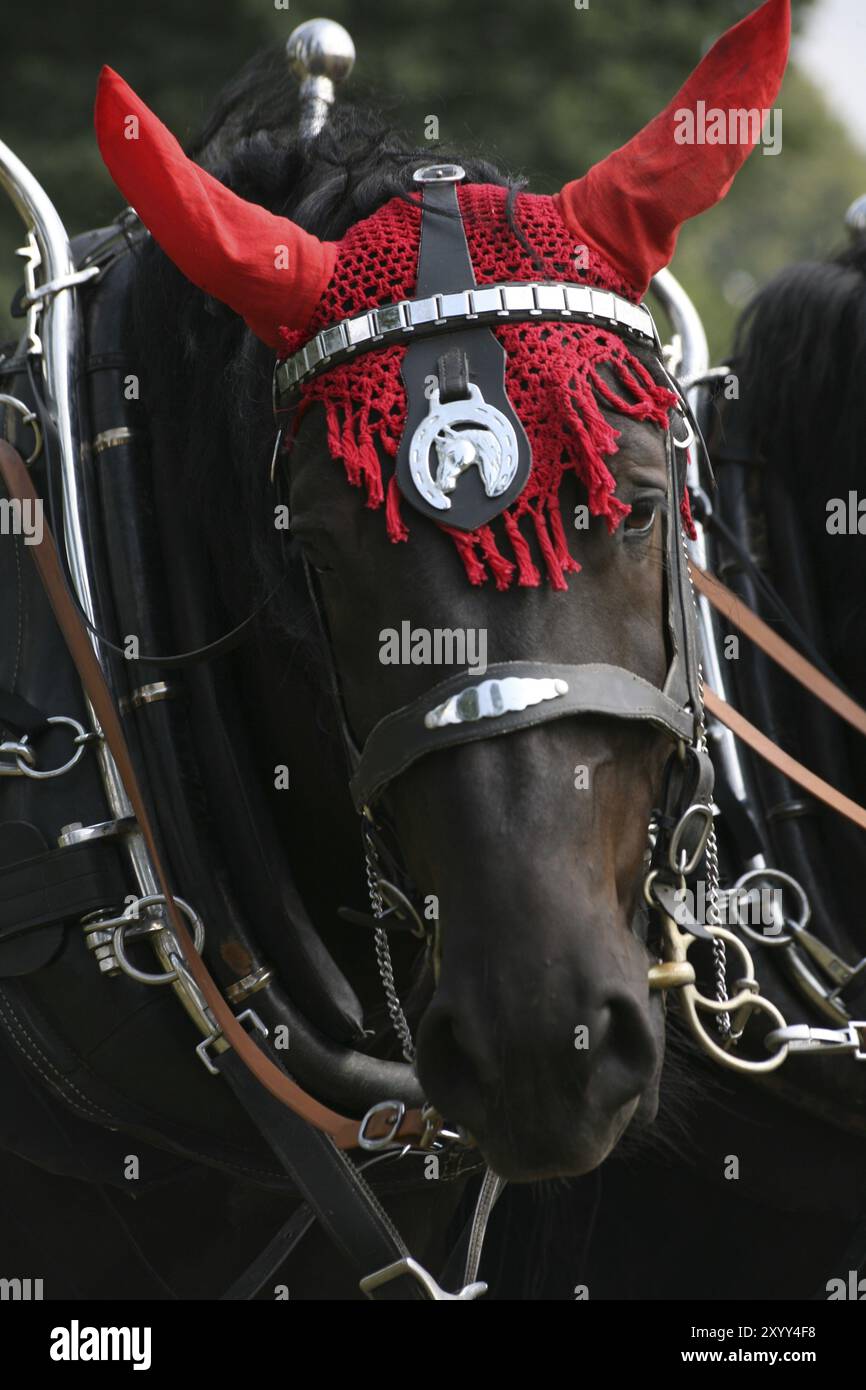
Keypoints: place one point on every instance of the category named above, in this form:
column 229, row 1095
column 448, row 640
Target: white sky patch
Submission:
column 832, row 52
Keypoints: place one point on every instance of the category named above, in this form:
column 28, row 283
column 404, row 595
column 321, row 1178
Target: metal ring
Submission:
column 30, row 418
column 759, row 875
column 145, row 977
column 81, row 740
column 688, row 866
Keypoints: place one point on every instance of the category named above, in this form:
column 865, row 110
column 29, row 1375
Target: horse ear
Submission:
column 264, row 267
column 631, row 206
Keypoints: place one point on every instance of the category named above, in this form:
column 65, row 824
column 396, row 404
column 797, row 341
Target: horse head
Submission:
column 551, row 526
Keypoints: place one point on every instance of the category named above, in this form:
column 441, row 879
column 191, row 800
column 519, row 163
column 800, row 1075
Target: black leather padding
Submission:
column 41, row 889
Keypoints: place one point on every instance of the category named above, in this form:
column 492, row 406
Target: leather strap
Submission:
column 270, row 1260
column 445, row 267
column 20, row 715
column 402, row 737
column 342, row 1129
column 444, row 263
column 783, row 762
column 726, row 602
column 352, row 1215
column 56, row 886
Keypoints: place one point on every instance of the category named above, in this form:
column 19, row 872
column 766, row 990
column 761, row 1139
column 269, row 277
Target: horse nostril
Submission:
column 625, row 1052
column 453, row 1063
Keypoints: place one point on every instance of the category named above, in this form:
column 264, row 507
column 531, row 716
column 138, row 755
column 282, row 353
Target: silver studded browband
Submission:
column 488, row 304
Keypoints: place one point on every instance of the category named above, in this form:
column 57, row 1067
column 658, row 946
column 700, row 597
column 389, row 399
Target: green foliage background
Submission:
column 542, row 87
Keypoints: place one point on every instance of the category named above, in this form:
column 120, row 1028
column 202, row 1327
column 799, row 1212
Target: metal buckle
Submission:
column 439, row 173
column 397, row 1108
column 800, row 1037
column 434, row 1291
column 201, row 1049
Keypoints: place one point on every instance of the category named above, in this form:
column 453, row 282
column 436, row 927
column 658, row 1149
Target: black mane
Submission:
column 800, row 354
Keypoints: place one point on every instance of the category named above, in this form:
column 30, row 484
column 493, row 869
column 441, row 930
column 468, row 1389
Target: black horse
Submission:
column 550, row 936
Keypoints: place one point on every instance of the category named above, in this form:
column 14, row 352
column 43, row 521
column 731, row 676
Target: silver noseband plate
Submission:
column 492, row 698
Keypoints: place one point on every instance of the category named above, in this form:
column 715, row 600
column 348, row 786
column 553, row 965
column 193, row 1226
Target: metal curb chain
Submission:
column 383, row 957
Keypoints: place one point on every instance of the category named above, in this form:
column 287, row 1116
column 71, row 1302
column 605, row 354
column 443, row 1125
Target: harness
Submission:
column 481, row 465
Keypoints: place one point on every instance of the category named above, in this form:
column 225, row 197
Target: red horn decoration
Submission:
column 630, row 207
column 264, row 267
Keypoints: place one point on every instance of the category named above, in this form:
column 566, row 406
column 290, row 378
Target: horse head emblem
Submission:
column 466, row 433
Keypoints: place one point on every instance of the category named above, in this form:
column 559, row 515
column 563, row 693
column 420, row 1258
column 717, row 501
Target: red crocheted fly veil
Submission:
column 624, row 215
column 553, row 378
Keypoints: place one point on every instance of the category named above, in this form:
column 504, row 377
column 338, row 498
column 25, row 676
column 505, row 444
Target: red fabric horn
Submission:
column 264, row 267
column 630, row 207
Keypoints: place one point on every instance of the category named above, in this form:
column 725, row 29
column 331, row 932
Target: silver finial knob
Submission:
column 855, row 217
column 321, row 53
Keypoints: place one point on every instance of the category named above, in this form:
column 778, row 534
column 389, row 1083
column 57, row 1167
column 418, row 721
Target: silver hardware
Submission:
column 19, row 750
column 385, row 965
column 395, row 1110
column 26, row 766
column 579, row 300
column 112, row 439
column 424, row 310
column 433, row 1291
column 60, row 282
column 488, row 303
column 439, row 173
column 30, row 418
column 488, row 299
column 797, row 926
column 149, row 694
column 491, row 447
column 678, row 859
column 799, row 1038
column 275, row 453
column 250, row 984
column 493, row 698
column 78, row 834
column 690, row 435
column 216, row 1038
column 129, row 924
column 54, row 333
column 322, row 55
column 518, row 299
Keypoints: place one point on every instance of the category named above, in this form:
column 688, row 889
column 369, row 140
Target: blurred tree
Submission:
column 541, row 86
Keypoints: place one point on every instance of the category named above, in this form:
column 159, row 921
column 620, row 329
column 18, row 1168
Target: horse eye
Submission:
column 642, row 516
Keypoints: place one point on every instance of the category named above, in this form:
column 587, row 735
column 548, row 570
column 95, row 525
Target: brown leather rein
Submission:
column 778, row 650
column 343, row 1130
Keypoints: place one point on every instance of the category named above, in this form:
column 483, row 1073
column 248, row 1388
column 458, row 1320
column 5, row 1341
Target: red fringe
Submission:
column 560, row 403
column 394, row 523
